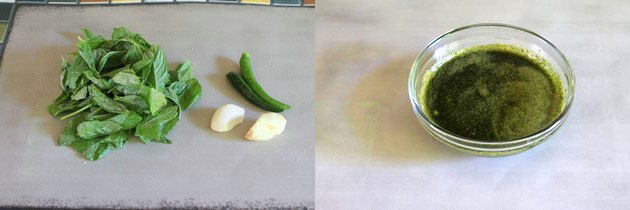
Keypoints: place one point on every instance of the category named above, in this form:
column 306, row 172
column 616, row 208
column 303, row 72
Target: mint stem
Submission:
column 76, row 112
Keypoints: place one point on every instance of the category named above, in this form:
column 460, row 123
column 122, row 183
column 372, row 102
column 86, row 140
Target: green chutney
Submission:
column 493, row 93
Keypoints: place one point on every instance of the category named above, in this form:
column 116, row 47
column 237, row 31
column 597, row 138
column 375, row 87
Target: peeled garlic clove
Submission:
column 267, row 126
column 226, row 117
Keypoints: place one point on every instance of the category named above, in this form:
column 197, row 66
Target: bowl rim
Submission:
column 570, row 85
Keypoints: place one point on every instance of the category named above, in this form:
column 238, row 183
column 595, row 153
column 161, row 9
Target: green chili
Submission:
column 242, row 87
column 250, row 79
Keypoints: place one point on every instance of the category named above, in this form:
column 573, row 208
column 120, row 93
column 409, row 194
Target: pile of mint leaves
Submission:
column 119, row 88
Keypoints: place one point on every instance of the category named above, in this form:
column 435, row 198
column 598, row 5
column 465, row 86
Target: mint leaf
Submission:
column 130, row 84
column 105, row 60
column 92, row 41
column 97, row 148
column 159, row 76
column 127, row 120
column 73, row 72
column 184, row 71
column 69, row 134
column 87, row 55
column 61, row 104
column 100, row 83
column 64, row 70
column 191, row 94
column 126, row 78
column 154, row 127
column 105, row 102
column 93, row 129
column 156, row 100
column 80, row 94
column 121, row 33
column 96, row 128
column 133, row 102
column 116, row 88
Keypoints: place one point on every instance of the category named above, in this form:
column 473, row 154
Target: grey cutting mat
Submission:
column 201, row 168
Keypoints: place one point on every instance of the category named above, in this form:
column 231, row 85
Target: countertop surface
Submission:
column 201, row 168
column 376, row 155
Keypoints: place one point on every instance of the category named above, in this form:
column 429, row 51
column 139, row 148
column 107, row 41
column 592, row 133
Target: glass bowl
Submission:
column 445, row 46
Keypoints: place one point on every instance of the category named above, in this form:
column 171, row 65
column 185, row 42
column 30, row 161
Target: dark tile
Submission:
column 94, row 1
column 32, row 1
column 62, row 1
column 287, row 2
column 5, row 11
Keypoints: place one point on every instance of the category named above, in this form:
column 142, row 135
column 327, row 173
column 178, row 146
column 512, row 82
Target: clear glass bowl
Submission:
column 441, row 50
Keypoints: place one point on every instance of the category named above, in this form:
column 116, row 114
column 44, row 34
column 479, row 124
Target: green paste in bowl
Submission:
column 493, row 93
